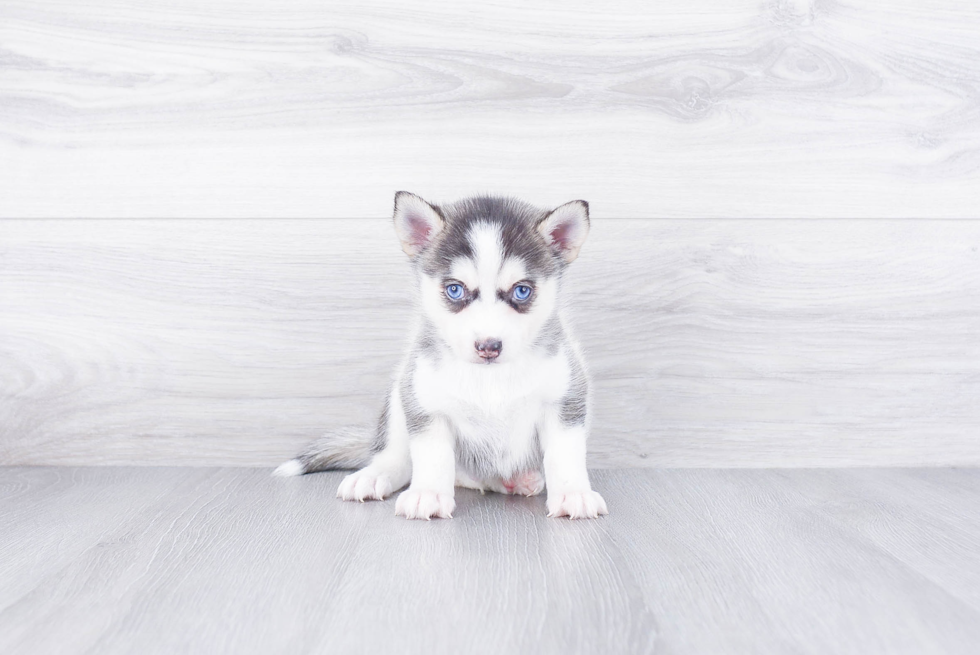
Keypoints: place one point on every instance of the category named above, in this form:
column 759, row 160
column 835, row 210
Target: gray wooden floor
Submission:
column 141, row 560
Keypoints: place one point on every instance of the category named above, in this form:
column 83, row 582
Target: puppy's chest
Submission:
column 493, row 402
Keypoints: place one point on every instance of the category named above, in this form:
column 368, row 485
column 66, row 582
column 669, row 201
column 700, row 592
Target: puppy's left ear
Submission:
column 416, row 222
column 565, row 228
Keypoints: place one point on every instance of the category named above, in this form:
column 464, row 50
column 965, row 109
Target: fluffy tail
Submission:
column 344, row 449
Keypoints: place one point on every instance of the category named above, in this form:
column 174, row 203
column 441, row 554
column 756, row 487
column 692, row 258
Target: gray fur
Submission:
column 428, row 342
column 481, row 460
column 574, row 406
column 347, row 448
column 381, row 434
column 416, row 418
column 518, row 223
column 551, row 337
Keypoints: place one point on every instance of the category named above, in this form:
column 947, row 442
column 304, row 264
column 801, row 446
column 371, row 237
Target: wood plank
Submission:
column 241, row 562
column 712, row 343
column 694, row 561
column 257, row 108
column 51, row 515
column 930, row 526
column 222, row 551
column 744, row 561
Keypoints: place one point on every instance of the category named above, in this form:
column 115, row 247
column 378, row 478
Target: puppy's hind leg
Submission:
column 467, row 481
column 526, row 483
column 389, row 471
column 391, row 468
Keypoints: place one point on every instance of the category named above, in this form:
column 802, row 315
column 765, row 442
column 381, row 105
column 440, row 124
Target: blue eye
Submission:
column 454, row 291
column 522, row 292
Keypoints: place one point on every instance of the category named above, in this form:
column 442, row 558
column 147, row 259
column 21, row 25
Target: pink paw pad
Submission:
column 529, row 483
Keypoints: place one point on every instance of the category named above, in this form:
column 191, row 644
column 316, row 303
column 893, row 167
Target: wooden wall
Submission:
column 196, row 198
column 713, row 342
column 305, row 108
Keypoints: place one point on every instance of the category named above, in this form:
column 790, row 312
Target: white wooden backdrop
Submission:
column 713, row 342
column 718, row 338
column 306, row 108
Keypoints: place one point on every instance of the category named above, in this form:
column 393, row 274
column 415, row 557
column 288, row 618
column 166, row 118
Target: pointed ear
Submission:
column 416, row 222
column 565, row 228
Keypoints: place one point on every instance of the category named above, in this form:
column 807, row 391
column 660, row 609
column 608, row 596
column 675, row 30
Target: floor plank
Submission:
column 51, row 516
column 232, row 560
column 743, row 561
column 930, row 525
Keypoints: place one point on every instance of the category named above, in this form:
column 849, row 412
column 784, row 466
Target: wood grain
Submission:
column 234, row 561
column 732, row 343
column 257, row 108
column 52, row 516
column 781, row 561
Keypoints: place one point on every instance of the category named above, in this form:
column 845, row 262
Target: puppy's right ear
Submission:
column 416, row 222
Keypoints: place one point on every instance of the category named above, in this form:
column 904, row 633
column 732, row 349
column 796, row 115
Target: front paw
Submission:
column 576, row 505
column 424, row 504
column 365, row 485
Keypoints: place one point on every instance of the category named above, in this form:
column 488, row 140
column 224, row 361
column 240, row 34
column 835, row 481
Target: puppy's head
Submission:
column 489, row 269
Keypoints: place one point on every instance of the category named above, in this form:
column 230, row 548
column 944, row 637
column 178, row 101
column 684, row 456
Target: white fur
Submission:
column 498, row 407
column 433, row 474
column 289, row 469
column 500, row 403
column 391, row 469
column 569, row 492
column 416, row 222
column 488, row 317
column 571, row 222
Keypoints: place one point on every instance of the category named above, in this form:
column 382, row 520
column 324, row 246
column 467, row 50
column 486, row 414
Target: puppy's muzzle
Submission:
column 489, row 349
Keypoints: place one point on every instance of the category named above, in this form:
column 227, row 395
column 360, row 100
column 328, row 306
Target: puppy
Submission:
column 494, row 389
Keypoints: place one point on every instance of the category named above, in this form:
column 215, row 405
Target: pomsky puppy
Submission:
column 494, row 389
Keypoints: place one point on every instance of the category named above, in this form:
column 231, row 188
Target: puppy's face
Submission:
column 489, row 270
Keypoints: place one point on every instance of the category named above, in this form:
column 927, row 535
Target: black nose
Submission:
column 488, row 349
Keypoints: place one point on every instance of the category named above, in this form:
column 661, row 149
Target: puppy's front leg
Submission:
column 565, row 474
column 433, row 474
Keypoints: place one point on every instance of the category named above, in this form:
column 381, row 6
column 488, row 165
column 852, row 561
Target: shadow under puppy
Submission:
column 493, row 389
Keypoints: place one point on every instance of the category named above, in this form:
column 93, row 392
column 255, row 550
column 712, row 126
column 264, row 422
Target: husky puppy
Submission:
column 493, row 389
